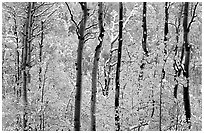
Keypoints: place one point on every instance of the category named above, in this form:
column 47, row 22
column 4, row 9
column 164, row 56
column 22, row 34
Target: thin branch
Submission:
column 113, row 64
column 170, row 3
column 116, row 37
column 37, row 34
column 39, row 14
column 72, row 17
column 90, row 33
column 89, row 39
column 192, row 19
column 113, row 49
column 92, row 13
column 91, row 26
column 50, row 15
column 137, row 126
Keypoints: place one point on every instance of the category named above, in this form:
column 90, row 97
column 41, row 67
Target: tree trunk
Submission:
column 144, row 25
column 117, row 79
column 40, row 77
column 95, row 67
column 186, row 65
column 26, row 61
column 175, row 65
column 166, row 29
column 79, row 67
column 144, row 41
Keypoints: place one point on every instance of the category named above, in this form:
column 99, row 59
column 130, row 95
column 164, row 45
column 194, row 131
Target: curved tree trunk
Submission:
column 79, row 67
column 95, row 67
column 117, row 79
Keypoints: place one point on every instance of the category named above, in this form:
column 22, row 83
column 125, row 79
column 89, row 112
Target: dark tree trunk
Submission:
column 95, row 67
column 166, row 29
column 117, row 79
column 186, row 65
column 144, row 25
column 79, row 67
column 40, row 78
column 144, row 40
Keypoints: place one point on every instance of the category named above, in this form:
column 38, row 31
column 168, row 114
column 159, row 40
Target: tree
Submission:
column 144, row 40
column 166, row 29
column 26, row 60
column 79, row 67
column 95, row 66
column 40, row 75
column 186, row 29
column 117, row 79
column 144, row 26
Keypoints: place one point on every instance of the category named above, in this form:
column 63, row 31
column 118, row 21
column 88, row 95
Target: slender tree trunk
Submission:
column 17, row 63
column 165, row 59
column 144, row 25
column 144, row 41
column 186, row 65
column 40, row 76
column 42, row 100
column 175, row 65
column 95, row 67
column 166, row 29
column 79, row 67
column 117, row 79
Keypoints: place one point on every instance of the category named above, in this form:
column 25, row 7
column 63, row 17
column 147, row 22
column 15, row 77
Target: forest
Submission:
column 101, row 66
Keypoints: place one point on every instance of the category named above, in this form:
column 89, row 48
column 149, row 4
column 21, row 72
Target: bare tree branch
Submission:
column 89, row 39
column 37, row 15
column 72, row 17
column 192, row 19
column 91, row 26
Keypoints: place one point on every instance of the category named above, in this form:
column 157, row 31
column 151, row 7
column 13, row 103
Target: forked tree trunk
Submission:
column 117, row 79
column 95, row 67
column 79, row 67
column 26, row 61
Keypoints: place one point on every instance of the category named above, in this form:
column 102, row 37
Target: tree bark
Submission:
column 26, row 62
column 144, row 25
column 117, row 79
column 144, row 41
column 95, row 67
column 79, row 67
column 166, row 29
column 186, row 97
